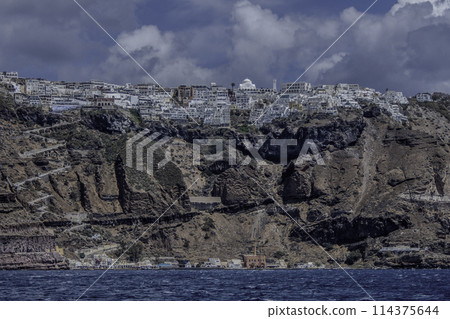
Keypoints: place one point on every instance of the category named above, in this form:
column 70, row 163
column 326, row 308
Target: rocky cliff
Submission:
column 381, row 199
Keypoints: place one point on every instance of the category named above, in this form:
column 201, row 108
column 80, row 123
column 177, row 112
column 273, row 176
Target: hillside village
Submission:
column 210, row 105
column 67, row 173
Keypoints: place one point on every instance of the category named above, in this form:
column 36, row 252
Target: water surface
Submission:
column 292, row 285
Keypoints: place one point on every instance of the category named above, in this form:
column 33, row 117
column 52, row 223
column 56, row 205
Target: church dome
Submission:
column 247, row 84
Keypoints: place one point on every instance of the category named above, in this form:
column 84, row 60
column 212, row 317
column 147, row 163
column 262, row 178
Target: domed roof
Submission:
column 247, row 84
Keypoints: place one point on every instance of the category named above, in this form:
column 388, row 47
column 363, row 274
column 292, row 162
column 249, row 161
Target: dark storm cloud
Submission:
column 47, row 37
column 199, row 41
column 402, row 50
column 36, row 30
column 259, row 43
column 429, row 54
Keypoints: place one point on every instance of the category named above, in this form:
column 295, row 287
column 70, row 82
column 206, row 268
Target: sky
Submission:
column 399, row 44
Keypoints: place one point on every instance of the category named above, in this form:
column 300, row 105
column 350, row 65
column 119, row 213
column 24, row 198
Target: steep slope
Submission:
column 66, row 190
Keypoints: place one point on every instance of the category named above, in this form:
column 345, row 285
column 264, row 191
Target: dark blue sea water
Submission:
column 218, row 285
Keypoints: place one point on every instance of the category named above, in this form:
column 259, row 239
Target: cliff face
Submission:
column 30, row 251
column 65, row 190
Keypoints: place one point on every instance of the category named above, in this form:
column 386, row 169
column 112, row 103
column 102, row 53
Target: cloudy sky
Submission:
column 400, row 44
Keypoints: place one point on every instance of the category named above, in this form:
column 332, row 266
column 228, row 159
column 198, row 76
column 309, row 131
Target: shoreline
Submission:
column 217, row 269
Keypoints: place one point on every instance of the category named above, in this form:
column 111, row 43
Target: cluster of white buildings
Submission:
column 303, row 98
column 210, row 105
column 103, row 261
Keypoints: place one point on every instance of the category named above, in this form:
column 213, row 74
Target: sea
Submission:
column 234, row 285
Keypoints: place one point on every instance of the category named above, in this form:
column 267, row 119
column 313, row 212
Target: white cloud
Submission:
column 158, row 53
column 148, row 38
column 325, row 65
column 379, row 51
column 439, row 6
column 404, row 49
column 254, row 24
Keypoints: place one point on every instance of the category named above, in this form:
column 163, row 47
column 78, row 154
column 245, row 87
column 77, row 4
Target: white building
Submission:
column 34, row 100
column 393, row 110
column 234, row 264
column 38, row 87
column 247, row 85
column 218, row 114
column 424, row 97
column 243, row 101
column 395, row 97
column 200, row 92
column 145, row 89
column 345, row 87
column 213, row 263
column 219, row 94
column 296, row 88
column 321, row 103
column 60, row 103
column 329, row 89
column 12, row 75
column 366, row 94
column 123, row 100
column 176, row 114
column 267, row 115
column 162, row 99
